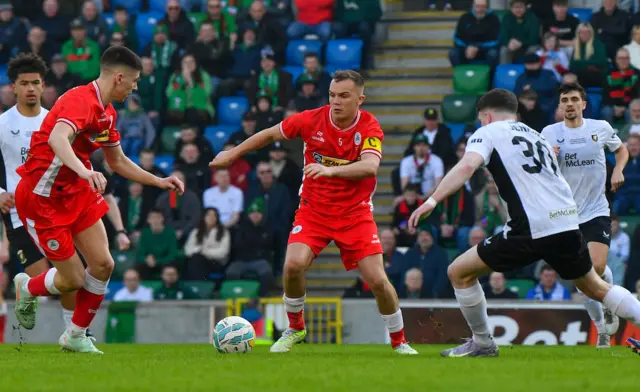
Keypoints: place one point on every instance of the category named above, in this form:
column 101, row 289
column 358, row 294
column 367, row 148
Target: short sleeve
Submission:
column 237, row 202
column 548, row 134
column 75, row 111
column 610, row 138
column 480, row 142
column 405, row 168
column 292, row 127
column 372, row 143
column 438, row 166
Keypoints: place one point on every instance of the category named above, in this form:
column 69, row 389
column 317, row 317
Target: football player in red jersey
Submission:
column 59, row 197
column 342, row 154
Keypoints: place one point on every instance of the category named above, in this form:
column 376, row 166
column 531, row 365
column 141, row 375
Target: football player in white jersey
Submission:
column 579, row 144
column 26, row 72
column 543, row 220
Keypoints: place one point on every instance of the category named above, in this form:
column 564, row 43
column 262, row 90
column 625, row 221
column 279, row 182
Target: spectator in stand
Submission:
column 254, row 246
column 309, row 97
column 125, row 25
column 613, row 26
column 132, row 290
column 239, row 171
column 543, row 9
column 634, row 120
column 268, row 30
column 136, row 130
column 628, row 196
column 634, row 47
column 37, row 43
column 438, row 136
column 412, row 286
column 149, row 193
column 157, row 247
column 619, row 88
column 117, row 39
column 49, row 97
column 476, row 236
column 163, row 52
column 180, row 28
column 392, row 256
column 360, row 289
column 432, row 261
column 211, row 52
column 498, row 287
column 189, row 95
column 181, row 213
column 520, row 31
column 313, row 70
column 172, row 288
column 529, row 111
column 314, row 17
column 494, row 212
column 223, row 21
column 189, row 134
column 457, row 219
column 359, row 18
column 151, row 90
column 422, row 168
column 618, row 251
column 97, row 28
column 285, row 170
column 249, row 128
column 134, row 216
column 207, row 249
column 477, row 37
column 227, row 199
column 7, row 97
column 548, row 289
column 563, row 25
column 551, row 57
column 272, row 81
column 53, row 22
column 542, row 81
column 410, row 202
column 245, row 61
column 589, row 62
column 266, row 115
column 58, row 75
column 82, row 53
column 195, row 169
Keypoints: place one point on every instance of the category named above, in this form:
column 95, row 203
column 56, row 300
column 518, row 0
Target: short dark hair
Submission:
column 311, row 54
column 561, row 2
column 146, row 151
column 156, row 211
column 120, row 8
column 614, row 217
column 354, row 76
column 412, row 188
column 566, row 88
column 512, row 2
column 120, row 55
column 26, row 63
column 498, row 99
column 546, row 267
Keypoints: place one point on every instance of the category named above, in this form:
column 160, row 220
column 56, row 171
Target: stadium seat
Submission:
column 294, row 70
column 594, row 104
column 168, row 137
column 583, row 14
column 520, row 286
column 296, row 50
column 231, row 289
column 145, row 23
column 132, row 6
column 331, row 69
column 157, row 5
column 344, row 53
column 460, row 109
column 112, row 289
column 629, row 223
column 165, row 162
column 197, row 18
column 506, row 76
column 123, row 261
column 471, row 79
column 108, row 17
column 201, row 289
column 218, row 135
column 457, row 130
column 231, row 109
column 152, row 284
column 4, row 78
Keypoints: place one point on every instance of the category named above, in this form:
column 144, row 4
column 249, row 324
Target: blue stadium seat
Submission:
column 218, row 135
column 506, row 76
column 4, row 78
column 112, row 289
column 231, row 109
column 331, row 69
column 165, row 162
column 108, row 17
column 583, row 14
column 296, row 50
column 457, row 130
column 157, row 5
column 145, row 23
column 594, row 104
column 595, row 90
column 133, row 6
column 344, row 53
column 294, row 70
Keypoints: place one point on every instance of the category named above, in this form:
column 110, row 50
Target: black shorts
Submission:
column 565, row 252
column 21, row 245
column 597, row 230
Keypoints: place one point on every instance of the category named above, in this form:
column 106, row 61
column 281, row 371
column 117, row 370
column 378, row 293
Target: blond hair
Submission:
column 588, row 52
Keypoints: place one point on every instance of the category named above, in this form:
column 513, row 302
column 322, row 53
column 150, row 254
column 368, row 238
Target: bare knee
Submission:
column 379, row 283
column 295, row 265
column 102, row 269
column 72, row 281
column 458, row 277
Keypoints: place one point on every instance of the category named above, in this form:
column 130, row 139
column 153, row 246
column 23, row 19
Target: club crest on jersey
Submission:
column 100, row 137
column 296, row 229
column 329, row 161
column 53, row 245
column 594, row 137
column 357, row 139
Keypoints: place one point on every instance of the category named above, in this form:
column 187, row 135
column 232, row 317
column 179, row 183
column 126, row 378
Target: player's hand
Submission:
column 617, row 180
column 556, row 150
column 7, row 202
column 123, row 241
column 424, row 210
column 316, row 170
column 172, row 184
column 223, row 159
column 96, row 180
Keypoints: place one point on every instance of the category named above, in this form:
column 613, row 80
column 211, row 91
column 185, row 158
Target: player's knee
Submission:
column 295, row 265
column 378, row 283
column 103, row 269
column 457, row 277
column 73, row 281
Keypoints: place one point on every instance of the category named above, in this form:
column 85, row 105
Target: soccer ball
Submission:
column 234, row 335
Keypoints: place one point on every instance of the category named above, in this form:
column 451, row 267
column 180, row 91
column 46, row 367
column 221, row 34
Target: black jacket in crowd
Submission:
column 613, row 30
column 483, row 33
column 253, row 242
column 442, row 145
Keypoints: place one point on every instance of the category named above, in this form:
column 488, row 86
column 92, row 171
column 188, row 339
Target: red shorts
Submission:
column 53, row 222
column 356, row 237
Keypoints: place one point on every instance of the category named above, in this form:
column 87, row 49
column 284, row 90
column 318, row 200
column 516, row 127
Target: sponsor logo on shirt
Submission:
column 579, row 140
column 571, row 160
column 100, row 137
column 560, row 141
column 24, row 153
column 476, row 140
column 318, row 137
column 563, row 213
column 329, row 161
column 15, row 132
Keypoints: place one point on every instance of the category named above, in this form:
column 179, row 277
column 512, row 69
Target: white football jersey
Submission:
column 15, row 140
column 583, row 163
column 528, row 177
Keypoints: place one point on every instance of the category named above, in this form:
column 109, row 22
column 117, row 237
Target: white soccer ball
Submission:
column 234, row 335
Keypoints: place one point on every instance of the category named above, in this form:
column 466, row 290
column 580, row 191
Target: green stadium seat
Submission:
column 169, row 136
column 197, row 18
column 629, row 223
column 520, row 286
column 471, row 79
column 123, row 261
column 460, row 109
column 231, row 289
column 202, row 290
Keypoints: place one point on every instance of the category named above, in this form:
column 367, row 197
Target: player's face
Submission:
column 572, row 105
column 126, row 82
column 28, row 89
column 345, row 99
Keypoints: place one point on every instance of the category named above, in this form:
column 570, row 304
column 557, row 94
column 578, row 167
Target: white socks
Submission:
column 3, row 309
column 473, row 305
column 48, row 281
column 594, row 308
column 66, row 316
column 607, row 276
column 622, row 303
column 393, row 322
column 294, row 305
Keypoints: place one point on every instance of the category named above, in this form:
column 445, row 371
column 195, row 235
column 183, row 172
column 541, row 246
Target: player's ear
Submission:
column 361, row 99
column 584, row 104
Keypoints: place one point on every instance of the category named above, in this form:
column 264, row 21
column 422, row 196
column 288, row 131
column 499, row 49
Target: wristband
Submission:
column 431, row 202
column 122, row 232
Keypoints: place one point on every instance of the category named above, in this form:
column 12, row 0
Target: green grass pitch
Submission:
column 327, row 368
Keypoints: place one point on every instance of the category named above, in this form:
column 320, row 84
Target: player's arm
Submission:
column 257, row 141
column 367, row 166
column 622, row 157
column 116, row 220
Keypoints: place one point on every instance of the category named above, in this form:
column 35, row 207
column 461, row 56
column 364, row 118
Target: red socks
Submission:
column 296, row 320
column 43, row 284
column 3, row 320
column 397, row 338
column 87, row 305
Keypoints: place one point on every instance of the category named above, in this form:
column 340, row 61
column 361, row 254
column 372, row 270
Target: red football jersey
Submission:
column 329, row 145
column 94, row 127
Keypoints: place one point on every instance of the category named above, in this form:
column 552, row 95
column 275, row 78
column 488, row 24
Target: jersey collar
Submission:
column 97, row 88
column 355, row 122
